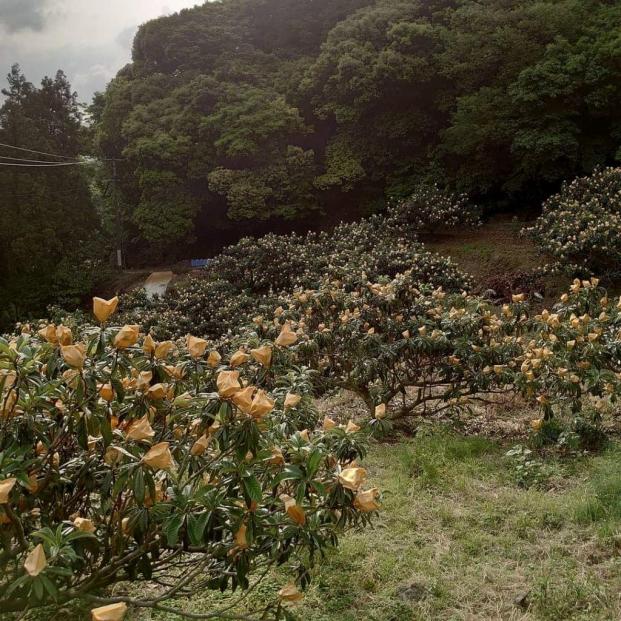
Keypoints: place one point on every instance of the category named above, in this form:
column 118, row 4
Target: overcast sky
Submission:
column 89, row 39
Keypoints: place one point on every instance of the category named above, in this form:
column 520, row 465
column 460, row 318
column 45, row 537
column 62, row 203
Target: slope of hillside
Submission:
column 499, row 258
column 244, row 116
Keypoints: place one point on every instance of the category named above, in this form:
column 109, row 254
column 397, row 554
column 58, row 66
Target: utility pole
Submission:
column 119, row 221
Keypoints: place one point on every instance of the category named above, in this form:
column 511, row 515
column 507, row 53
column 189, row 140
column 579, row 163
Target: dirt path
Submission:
column 157, row 283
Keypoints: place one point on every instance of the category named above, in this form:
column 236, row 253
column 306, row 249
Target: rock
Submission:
column 414, row 592
column 521, row 601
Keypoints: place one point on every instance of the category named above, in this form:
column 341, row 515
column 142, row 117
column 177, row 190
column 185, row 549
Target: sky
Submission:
column 90, row 40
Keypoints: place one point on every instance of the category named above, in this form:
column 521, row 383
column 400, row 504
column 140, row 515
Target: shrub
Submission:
column 384, row 340
column 502, row 287
column 410, row 351
column 123, row 458
column 428, row 209
column 416, row 349
column 257, row 275
column 582, row 223
column 571, row 356
column 211, row 308
column 381, row 245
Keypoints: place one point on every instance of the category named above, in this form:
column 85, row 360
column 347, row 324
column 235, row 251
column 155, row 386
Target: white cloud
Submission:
column 89, row 39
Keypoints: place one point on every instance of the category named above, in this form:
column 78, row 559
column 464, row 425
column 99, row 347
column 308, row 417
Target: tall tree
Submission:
column 275, row 109
column 48, row 237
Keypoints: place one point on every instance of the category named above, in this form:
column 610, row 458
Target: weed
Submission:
column 527, row 470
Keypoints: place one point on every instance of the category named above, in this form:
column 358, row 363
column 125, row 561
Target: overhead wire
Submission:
column 64, row 157
column 21, row 159
column 31, row 163
column 10, row 146
column 50, row 165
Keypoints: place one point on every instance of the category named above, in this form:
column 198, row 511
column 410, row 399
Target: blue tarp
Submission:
column 200, row 262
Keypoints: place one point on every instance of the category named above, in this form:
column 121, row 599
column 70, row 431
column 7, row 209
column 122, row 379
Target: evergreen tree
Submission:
column 48, row 241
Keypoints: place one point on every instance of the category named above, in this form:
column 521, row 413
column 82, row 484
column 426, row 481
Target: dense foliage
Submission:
column 395, row 324
column 275, row 109
column 121, row 455
column 418, row 351
column 582, row 223
column 48, row 239
column 378, row 315
column 122, row 458
column 257, row 275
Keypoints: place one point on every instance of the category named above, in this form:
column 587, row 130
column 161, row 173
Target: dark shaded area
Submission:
column 245, row 116
column 50, row 248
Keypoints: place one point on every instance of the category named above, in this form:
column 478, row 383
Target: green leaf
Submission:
column 83, row 432
column 253, row 488
column 80, row 534
column 52, row 365
column 46, row 535
column 106, row 431
column 118, row 389
column 5, row 349
column 319, row 487
column 290, row 473
column 119, row 484
column 16, row 585
column 171, row 529
column 37, row 587
column 50, row 587
column 313, row 462
column 196, row 527
column 60, row 571
column 138, row 485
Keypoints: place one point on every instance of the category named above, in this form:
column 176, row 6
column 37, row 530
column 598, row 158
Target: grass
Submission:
column 497, row 249
column 494, row 248
column 603, row 505
column 458, row 540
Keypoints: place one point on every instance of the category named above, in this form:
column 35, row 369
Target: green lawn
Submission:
column 458, row 539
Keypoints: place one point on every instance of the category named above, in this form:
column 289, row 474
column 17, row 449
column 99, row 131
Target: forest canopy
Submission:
column 276, row 109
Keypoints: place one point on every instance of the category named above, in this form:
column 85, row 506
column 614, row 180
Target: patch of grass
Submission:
column 444, row 461
column 602, row 500
column 497, row 236
column 482, row 250
column 570, row 594
column 457, row 540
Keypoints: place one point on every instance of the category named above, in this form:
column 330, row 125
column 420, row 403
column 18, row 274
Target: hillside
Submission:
column 392, row 392
column 242, row 117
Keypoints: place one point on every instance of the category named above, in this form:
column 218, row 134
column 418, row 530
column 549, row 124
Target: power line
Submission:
column 20, row 159
column 50, row 165
column 28, row 163
column 64, row 157
column 10, row 146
